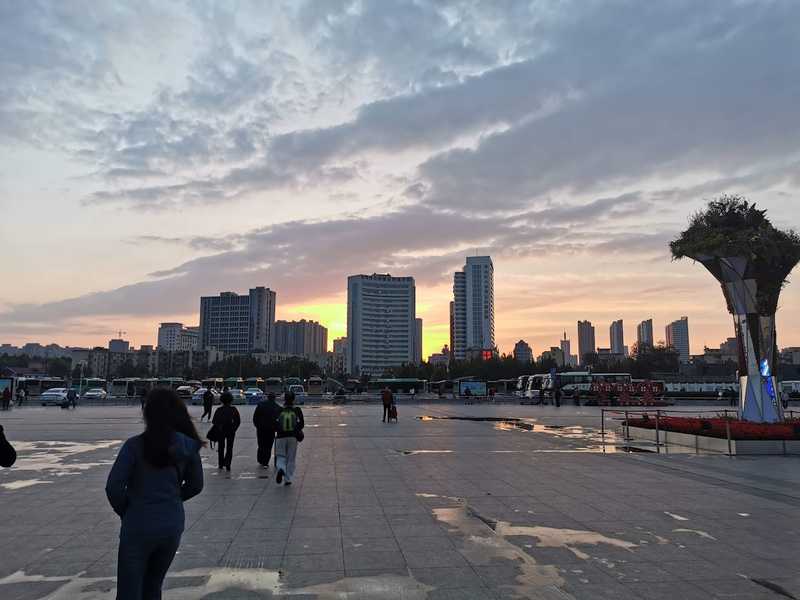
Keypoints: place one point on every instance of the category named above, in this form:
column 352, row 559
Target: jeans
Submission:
column 142, row 565
column 206, row 412
column 225, row 450
column 266, row 438
column 286, row 452
column 386, row 411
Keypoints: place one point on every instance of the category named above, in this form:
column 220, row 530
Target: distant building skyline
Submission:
column 523, row 352
column 617, row 337
column 677, row 337
column 472, row 319
column 381, row 323
column 644, row 334
column 301, row 337
column 587, row 343
column 238, row 324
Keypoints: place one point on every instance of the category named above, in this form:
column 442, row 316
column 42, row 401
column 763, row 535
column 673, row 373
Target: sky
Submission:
column 154, row 152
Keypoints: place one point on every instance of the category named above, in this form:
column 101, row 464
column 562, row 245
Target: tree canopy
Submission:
column 733, row 227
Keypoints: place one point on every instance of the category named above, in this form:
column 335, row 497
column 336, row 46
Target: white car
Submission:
column 253, row 395
column 197, row 397
column 300, row 394
column 95, row 394
column 53, row 397
column 184, row 392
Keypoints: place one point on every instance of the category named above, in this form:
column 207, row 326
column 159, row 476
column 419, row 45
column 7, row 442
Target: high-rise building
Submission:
column 418, row 341
column 472, row 312
column 566, row 348
column 617, row 335
column 300, row 338
column 644, row 334
column 381, row 323
column 586, row 340
column 174, row 337
column 340, row 345
column 237, row 324
column 117, row 345
column 678, row 338
column 523, row 352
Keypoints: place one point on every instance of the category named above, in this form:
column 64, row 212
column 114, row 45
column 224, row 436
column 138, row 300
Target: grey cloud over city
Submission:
column 524, row 129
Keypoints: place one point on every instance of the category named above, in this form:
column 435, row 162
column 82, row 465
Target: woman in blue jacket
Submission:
column 154, row 474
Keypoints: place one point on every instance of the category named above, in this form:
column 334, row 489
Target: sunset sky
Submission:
column 153, row 152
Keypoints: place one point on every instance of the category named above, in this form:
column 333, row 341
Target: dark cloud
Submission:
column 307, row 260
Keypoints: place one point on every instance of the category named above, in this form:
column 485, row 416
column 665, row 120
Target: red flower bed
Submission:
column 716, row 427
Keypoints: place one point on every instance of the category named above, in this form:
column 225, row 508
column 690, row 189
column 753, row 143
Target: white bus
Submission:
column 522, row 385
column 533, row 389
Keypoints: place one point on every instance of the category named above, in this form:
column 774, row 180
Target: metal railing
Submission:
column 659, row 413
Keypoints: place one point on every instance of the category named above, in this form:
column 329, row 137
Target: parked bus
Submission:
column 522, row 385
column 36, row 386
column 123, row 387
column 315, row 385
column 93, row 383
column 143, row 386
column 254, row 382
column 274, row 385
column 214, row 383
column 172, row 383
column 533, row 389
column 234, row 383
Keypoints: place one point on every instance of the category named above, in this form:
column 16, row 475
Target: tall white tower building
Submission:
column 472, row 319
column 678, row 338
column 381, row 323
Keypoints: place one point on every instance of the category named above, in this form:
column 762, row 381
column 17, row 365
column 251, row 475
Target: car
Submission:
column 185, row 392
column 253, row 395
column 95, row 394
column 300, row 394
column 197, row 397
column 238, row 396
column 53, row 397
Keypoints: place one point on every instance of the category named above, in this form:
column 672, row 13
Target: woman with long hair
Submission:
column 154, row 474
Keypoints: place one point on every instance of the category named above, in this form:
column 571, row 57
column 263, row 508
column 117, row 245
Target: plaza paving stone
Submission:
column 438, row 509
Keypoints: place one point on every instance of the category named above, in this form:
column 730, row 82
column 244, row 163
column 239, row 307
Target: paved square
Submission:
column 435, row 508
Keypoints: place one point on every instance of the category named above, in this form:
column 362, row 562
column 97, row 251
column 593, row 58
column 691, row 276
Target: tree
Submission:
column 752, row 260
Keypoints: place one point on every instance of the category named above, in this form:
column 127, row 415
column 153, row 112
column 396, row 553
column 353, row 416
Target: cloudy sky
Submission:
column 151, row 152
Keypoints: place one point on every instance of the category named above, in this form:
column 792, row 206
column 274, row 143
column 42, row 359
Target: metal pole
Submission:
column 728, row 434
column 603, row 423
column 627, row 428
column 658, row 441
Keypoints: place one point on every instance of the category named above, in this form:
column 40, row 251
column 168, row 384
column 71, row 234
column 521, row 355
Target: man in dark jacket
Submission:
column 6, row 398
column 227, row 419
column 265, row 419
column 387, row 398
column 208, row 402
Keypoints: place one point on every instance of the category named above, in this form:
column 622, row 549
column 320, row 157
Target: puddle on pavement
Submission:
column 595, row 440
column 53, row 459
column 196, row 583
column 697, row 532
column 676, row 517
column 484, row 538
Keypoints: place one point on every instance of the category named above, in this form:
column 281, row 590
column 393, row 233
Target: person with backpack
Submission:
column 208, row 403
column 388, row 399
column 265, row 419
column 153, row 475
column 226, row 420
column 289, row 432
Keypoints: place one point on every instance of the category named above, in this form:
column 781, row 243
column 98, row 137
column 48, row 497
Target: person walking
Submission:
column 20, row 396
column 265, row 419
column 72, row 397
column 208, row 403
column 153, row 475
column 289, row 432
column 388, row 398
column 6, row 398
column 227, row 419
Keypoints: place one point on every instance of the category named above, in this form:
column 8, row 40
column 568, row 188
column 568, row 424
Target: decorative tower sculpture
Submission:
column 751, row 259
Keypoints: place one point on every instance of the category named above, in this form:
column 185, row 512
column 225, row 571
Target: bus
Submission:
column 234, row 383
column 255, row 382
column 533, row 389
column 172, row 383
column 619, row 378
column 123, row 387
column 569, row 382
column 92, row 383
column 290, row 381
column 522, row 385
column 143, row 386
column 36, row 386
column 213, row 383
column 274, row 385
column 315, row 385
